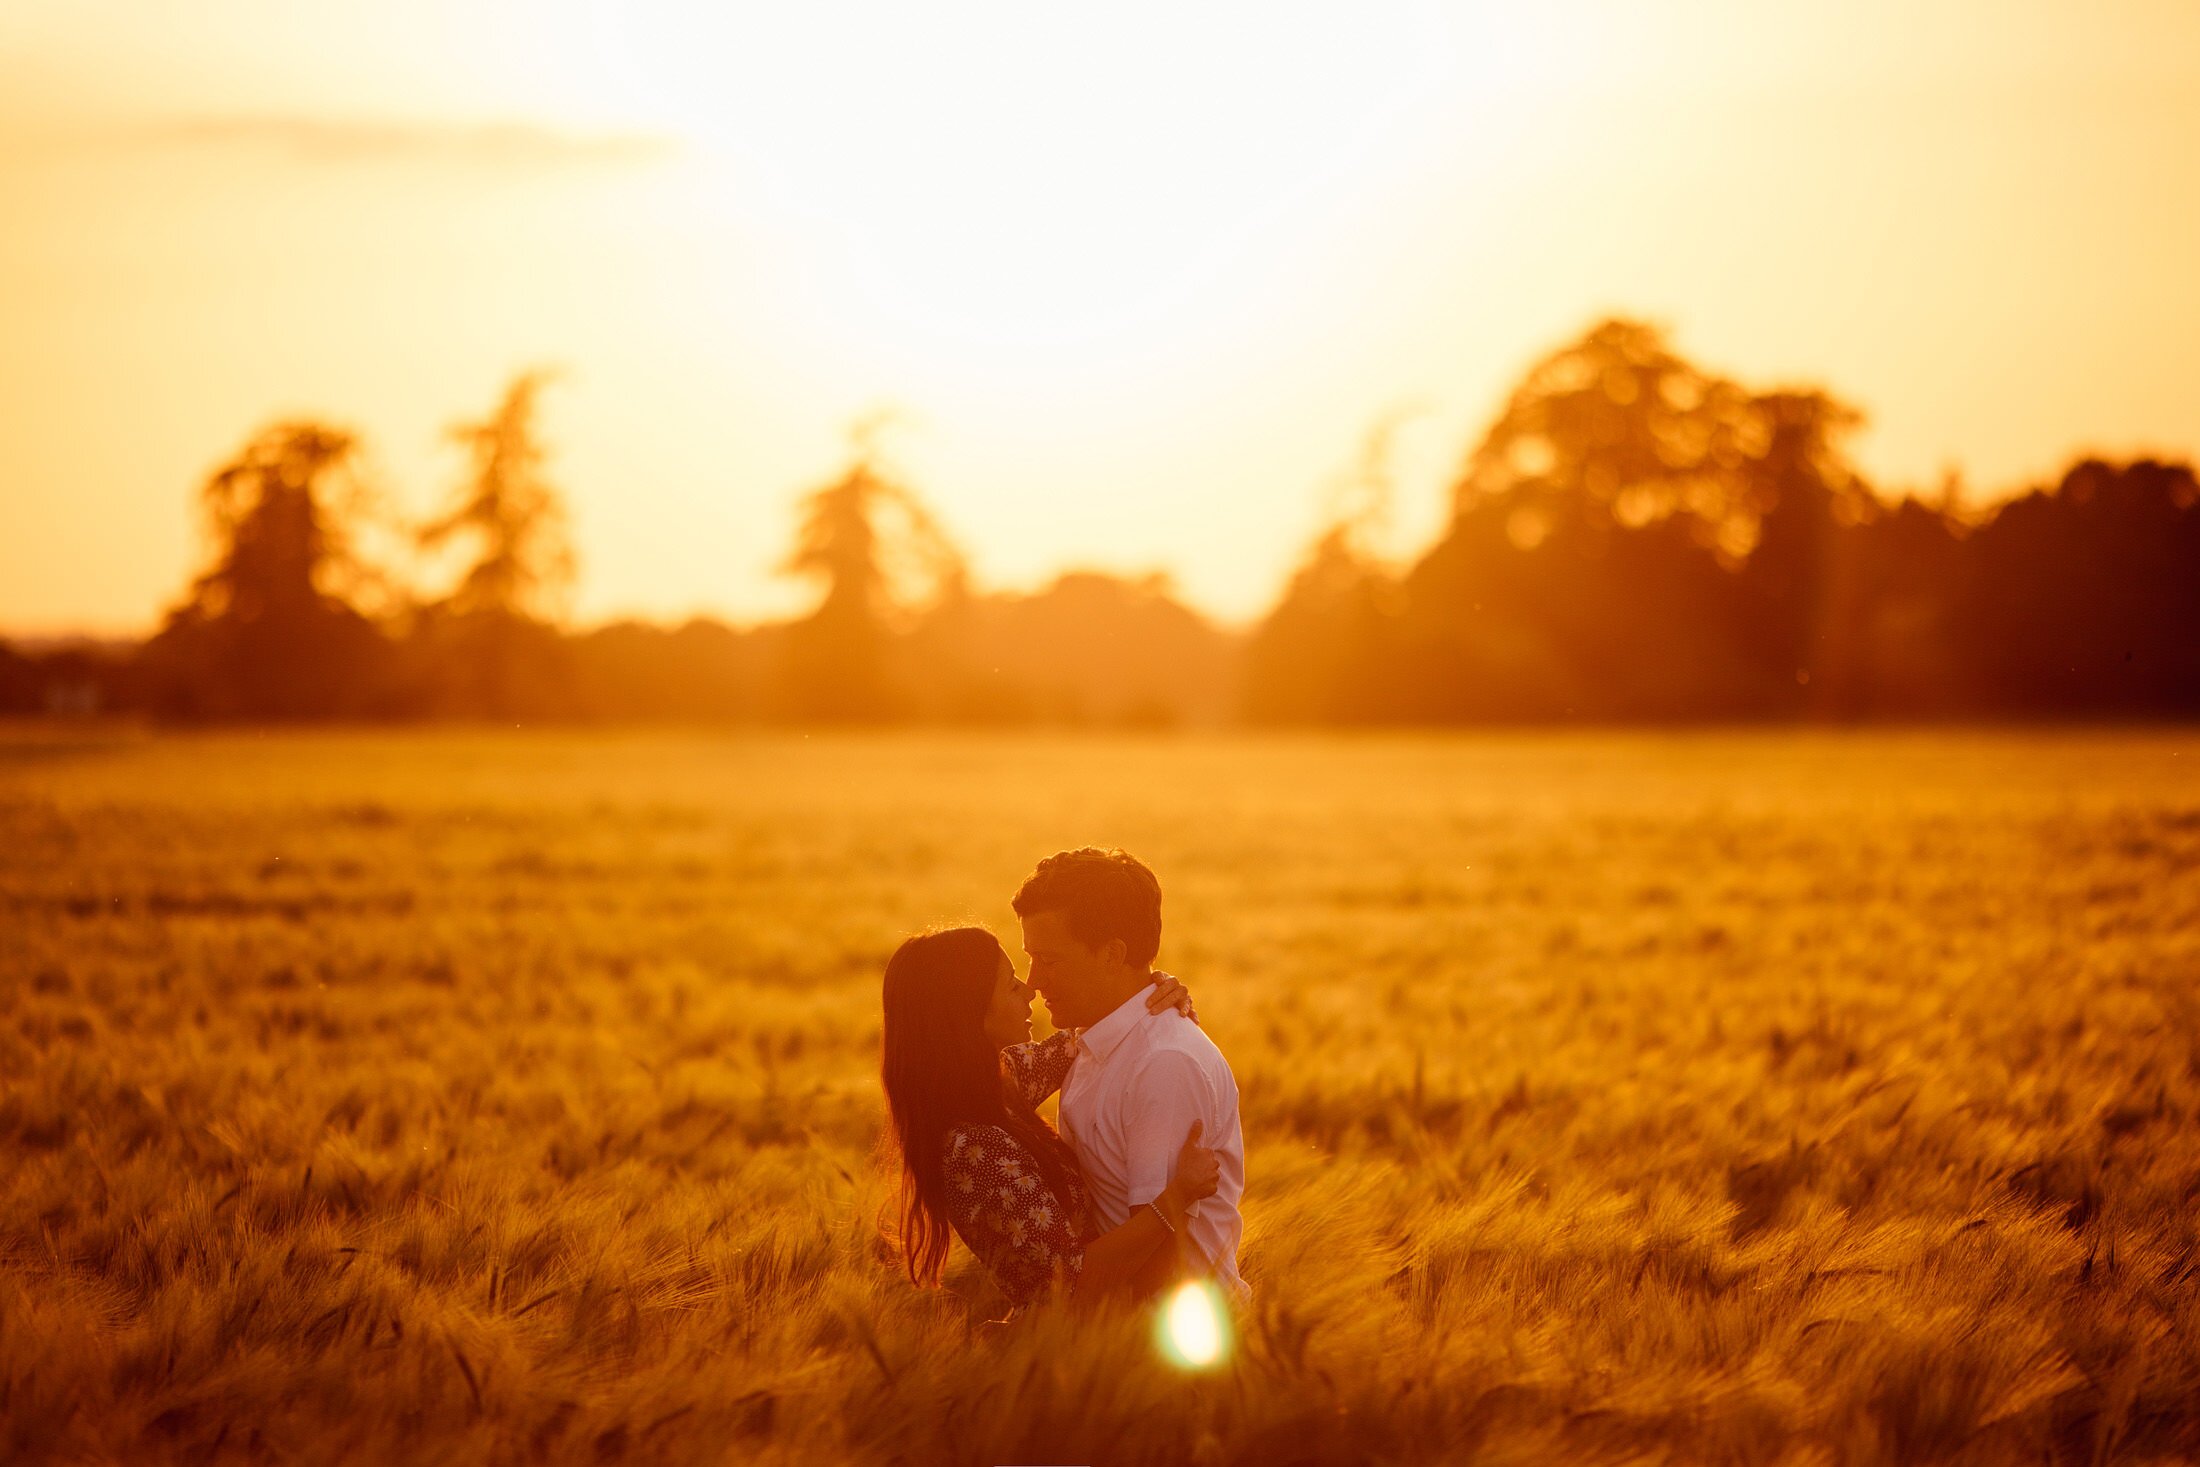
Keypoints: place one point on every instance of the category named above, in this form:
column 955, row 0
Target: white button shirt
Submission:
column 1135, row 1086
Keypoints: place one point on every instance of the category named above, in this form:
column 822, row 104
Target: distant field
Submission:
column 488, row 1097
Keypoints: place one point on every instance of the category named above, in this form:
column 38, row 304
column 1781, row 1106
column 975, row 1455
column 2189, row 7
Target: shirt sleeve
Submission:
column 1006, row 1214
column 1038, row 1067
column 1164, row 1095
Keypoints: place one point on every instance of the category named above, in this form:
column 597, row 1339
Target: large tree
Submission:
column 508, row 510
column 488, row 647
column 1324, row 654
column 876, row 554
column 21, row 687
column 269, row 629
column 2083, row 598
column 1636, row 536
column 1616, row 431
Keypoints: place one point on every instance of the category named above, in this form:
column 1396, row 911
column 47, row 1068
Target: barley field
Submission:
column 510, row 1097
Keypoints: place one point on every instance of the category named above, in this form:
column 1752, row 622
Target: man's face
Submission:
column 1075, row 980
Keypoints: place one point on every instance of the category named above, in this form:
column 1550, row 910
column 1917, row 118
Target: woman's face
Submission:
column 1008, row 1016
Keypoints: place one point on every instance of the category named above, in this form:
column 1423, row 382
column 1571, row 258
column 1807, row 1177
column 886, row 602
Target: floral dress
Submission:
column 999, row 1201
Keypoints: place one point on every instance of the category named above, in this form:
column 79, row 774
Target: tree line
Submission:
column 1634, row 538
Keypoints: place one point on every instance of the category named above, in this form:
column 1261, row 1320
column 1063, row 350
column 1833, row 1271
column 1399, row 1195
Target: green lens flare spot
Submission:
column 1193, row 1326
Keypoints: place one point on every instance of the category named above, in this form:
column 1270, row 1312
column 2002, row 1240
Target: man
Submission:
column 1092, row 928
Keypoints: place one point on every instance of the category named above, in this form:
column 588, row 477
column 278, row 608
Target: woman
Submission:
column 963, row 1081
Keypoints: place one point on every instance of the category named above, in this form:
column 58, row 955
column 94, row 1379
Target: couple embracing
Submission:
column 1141, row 1185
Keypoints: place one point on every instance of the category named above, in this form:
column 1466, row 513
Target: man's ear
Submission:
column 1113, row 951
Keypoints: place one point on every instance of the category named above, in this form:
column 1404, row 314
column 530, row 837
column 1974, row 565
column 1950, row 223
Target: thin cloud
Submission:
column 342, row 140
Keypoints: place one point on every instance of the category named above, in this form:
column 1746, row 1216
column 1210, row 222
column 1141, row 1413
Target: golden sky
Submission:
column 1138, row 276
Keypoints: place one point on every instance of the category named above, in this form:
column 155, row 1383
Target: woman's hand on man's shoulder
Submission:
column 1170, row 993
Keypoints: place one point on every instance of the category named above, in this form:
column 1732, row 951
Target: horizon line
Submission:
column 1970, row 502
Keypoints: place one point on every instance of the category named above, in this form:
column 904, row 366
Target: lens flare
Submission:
column 1193, row 1329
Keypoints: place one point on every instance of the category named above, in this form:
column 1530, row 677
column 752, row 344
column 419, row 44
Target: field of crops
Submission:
column 511, row 1097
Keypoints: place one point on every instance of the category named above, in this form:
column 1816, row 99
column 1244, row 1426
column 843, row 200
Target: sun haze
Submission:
column 1138, row 277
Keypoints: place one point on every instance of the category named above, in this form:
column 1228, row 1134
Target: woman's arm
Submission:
column 1022, row 1233
column 1035, row 1069
column 1124, row 1261
column 1006, row 1214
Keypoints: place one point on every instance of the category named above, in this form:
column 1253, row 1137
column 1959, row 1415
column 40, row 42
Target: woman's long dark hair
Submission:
column 940, row 1071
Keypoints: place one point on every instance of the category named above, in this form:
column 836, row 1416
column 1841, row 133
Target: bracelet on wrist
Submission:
column 1157, row 1212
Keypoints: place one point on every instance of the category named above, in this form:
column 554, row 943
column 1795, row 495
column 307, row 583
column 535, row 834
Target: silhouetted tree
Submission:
column 509, row 509
column 1634, row 537
column 1895, row 637
column 81, row 677
column 700, row 671
column 875, row 552
column 488, row 648
column 266, row 631
column 1327, row 651
column 19, row 682
column 1087, row 648
column 1616, row 431
column 2084, row 599
column 1801, row 580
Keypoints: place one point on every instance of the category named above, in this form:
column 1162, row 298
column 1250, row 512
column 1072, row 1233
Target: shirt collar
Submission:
column 1100, row 1039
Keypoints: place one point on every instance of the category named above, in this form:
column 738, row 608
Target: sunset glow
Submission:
column 1138, row 283
column 990, row 184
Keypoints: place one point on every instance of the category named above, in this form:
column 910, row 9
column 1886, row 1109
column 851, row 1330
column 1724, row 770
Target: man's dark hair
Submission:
column 1101, row 895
